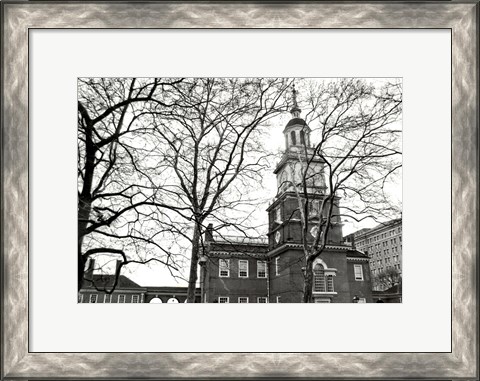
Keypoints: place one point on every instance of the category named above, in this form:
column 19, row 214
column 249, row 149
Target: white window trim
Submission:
column 262, row 297
column 243, row 297
column 278, row 298
column 95, row 296
column 227, row 261
column 361, row 272
column 138, row 298
column 81, row 298
column 124, row 298
column 277, row 266
column 226, row 297
column 258, row 270
column 242, row 276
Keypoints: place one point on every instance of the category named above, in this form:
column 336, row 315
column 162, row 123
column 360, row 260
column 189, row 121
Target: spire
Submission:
column 295, row 111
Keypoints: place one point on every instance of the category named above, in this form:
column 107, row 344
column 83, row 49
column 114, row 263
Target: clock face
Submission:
column 314, row 231
column 277, row 236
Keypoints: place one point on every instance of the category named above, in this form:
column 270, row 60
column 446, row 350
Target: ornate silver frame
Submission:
column 462, row 18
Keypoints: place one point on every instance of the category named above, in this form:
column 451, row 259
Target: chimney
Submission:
column 209, row 233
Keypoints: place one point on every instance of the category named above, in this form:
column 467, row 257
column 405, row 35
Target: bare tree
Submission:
column 211, row 154
column 387, row 279
column 357, row 131
column 118, row 211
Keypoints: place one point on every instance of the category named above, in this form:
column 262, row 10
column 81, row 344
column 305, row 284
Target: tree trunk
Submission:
column 192, row 280
column 84, row 208
column 81, row 266
column 85, row 197
column 308, row 286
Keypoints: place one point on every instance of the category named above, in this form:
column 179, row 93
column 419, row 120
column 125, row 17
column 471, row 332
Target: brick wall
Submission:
column 234, row 286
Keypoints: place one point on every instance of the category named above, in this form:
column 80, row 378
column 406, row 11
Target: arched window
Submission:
column 322, row 282
column 294, row 138
column 302, row 137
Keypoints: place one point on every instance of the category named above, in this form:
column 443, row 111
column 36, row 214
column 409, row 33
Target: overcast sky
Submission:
column 156, row 275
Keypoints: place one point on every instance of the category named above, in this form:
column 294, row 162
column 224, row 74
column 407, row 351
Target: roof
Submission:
column 295, row 121
column 383, row 225
column 169, row 290
column 356, row 254
column 107, row 280
column 239, row 248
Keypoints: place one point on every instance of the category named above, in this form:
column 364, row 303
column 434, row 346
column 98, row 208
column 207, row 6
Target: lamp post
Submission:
column 202, row 261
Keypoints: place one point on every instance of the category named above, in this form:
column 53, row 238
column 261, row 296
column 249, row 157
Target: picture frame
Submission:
column 461, row 18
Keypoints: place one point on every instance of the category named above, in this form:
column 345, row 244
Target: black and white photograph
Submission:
column 239, row 190
column 278, row 153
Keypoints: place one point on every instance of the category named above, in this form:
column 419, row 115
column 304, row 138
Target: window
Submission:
column 314, row 208
column 134, row 298
column 93, row 298
column 243, row 268
column 261, row 269
column 121, row 298
column 278, row 298
column 224, row 268
column 80, row 298
column 293, row 137
column 302, row 137
column 242, row 299
column 322, row 283
column 223, row 299
column 277, row 266
column 262, row 299
column 358, row 272
column 107, row 298
column 278, row 215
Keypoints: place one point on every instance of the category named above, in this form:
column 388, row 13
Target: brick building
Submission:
column 126, row 290
column 235, row 270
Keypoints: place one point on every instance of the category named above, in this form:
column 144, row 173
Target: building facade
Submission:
column 383, row 246
column 235, row 270
column 97, row 289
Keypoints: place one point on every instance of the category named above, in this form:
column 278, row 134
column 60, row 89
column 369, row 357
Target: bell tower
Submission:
column 297, row 157
column 298, row 162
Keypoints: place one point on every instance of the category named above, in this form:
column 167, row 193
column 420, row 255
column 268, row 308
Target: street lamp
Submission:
column 202, row 261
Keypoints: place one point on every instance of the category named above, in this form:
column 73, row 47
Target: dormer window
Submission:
column 302, row 137
column 294, row 138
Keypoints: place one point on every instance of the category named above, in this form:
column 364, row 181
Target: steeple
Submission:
column 295, row 111
column 298, row 151
column 297, row 132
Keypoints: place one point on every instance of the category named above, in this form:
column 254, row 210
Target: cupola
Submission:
column 297, row 132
